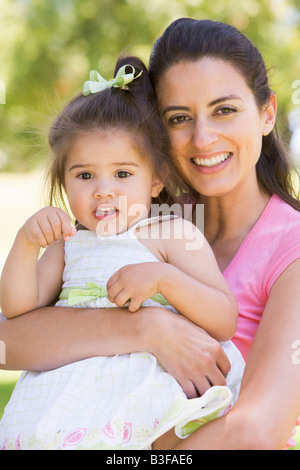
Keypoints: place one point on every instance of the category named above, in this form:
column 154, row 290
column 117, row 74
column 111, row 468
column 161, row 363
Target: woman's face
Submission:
column 214, row 124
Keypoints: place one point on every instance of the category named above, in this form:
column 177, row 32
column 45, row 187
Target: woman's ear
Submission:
column 270, row 115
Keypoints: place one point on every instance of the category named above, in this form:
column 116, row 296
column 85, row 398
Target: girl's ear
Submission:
column 270, row 115
column 157, row 186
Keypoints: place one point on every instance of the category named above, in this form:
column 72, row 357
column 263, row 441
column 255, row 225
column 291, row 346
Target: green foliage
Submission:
column 48, row 48
column 6, row 389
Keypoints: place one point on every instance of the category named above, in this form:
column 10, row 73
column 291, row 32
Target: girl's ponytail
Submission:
column 141, row 88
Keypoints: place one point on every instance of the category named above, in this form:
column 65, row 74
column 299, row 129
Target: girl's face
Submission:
column 214, row 124
column 108, row 184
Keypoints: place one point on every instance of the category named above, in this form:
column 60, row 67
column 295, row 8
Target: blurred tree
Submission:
column 47, row 49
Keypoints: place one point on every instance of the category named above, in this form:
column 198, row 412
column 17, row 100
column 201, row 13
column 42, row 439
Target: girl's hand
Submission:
column 47, row 226
column 135, row 283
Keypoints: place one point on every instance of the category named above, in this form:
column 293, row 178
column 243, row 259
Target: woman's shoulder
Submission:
column 282, row 217
column 280, row 241
column 273, row 241
column 277, row 231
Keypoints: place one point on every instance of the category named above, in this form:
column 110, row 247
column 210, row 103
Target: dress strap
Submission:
column 129, row 234
column 150, row 221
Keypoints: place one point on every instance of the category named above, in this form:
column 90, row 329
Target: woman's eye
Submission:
column 85, row 176
column 225, row 110
column 179, row 119
column 123, row 174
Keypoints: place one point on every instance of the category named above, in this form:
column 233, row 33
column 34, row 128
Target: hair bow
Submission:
column 98, row 83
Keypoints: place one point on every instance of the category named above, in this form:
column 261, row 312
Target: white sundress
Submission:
column 117, row 402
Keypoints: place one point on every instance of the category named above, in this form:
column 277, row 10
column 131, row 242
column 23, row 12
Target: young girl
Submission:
column 111, row 160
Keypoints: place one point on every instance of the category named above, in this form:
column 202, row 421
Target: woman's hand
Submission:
column 47, row 226
column 187, row 352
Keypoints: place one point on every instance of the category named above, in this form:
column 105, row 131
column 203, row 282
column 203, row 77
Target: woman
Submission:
column 216, row 140
column 213, row 93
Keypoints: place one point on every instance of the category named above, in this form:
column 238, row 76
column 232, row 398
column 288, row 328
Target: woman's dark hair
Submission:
column 188, row 39
column 132, row 109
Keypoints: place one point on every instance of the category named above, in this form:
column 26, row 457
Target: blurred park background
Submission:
column 47, row 49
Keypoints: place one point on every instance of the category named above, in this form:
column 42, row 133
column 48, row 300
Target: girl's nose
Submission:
column 204, row 135
column 103, row 189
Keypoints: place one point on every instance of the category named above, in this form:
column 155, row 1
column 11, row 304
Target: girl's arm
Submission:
column 26, row 282
column 269, row 400
column 190, row 280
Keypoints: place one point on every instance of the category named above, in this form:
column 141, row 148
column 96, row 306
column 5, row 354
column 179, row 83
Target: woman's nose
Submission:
column 204, row 135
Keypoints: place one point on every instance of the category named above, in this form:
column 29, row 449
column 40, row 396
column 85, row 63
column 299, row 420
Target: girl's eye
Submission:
column 123, row 174
column 85, row 176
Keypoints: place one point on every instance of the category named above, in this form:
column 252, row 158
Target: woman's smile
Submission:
column 210, row 163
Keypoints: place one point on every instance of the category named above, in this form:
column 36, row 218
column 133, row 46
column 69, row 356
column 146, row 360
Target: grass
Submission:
column 7, row 384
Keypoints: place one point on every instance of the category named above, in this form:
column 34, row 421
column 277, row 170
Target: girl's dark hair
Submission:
column 132, row 109
column 188, row 39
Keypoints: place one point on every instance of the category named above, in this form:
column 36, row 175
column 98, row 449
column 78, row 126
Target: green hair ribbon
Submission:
column 98, row 83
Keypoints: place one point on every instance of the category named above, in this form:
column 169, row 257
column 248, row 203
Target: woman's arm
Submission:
column 53, row 336
column 269, row 401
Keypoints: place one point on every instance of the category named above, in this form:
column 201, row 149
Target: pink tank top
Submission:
column 269, row 248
